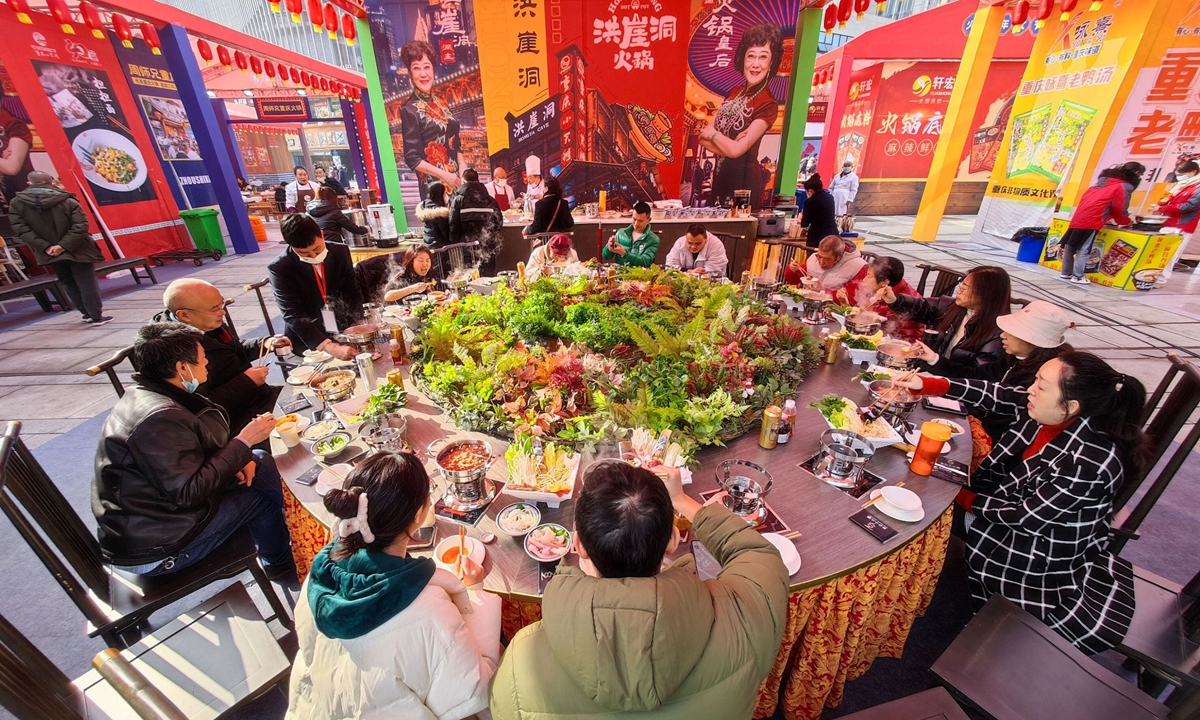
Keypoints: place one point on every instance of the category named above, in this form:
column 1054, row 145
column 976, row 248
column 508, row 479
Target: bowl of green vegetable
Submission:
column 330, row 446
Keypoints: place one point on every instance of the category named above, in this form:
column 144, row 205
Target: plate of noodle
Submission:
column 110, row 160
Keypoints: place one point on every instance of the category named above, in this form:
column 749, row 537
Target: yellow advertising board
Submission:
column 512, row 47
column 1117, row 256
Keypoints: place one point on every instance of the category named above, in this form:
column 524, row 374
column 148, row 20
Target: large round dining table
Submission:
column 854, row 598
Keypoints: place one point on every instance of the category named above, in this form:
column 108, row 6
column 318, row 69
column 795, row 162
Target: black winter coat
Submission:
column 45, row 216
column 165, row 457
column 297, row 295
column 437, row 223
column 475, row 216
column 332, row 221
column 957, row 360
column 545, row 210
column 818, row 217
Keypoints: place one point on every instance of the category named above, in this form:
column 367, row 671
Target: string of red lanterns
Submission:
column 331, row 21
column 316, row 16
column 861, row 7
column 295, row 7
column 61, row 14
column 91, row 18
column 21, row 8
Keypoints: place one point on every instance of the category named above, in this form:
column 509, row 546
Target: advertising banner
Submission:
column 909, row 111
column 1118, row 257
column 163, row 114
column 858, row 119
column 1070, row 86
column 21, row 148
column 76, row 95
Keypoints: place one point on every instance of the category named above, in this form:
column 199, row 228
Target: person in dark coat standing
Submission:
column 51, row 221
column 172, row 482
column 551, row 214
column 328, row 180
column 818, row 214
column 330, row 218
column 433, row 212
column 234, row 381
column 310, row 277
column 475, row 216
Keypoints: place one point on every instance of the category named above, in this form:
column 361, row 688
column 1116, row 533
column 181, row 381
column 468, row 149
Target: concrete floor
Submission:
column 41, row 353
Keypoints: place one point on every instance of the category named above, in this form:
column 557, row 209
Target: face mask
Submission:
column 314, row 260
column 501, row 182
column 846, row 170
column 191, row 385
column 1184, row 177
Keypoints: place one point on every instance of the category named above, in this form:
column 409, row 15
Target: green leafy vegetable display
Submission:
column 384, row 400
column 582, row 360
column 869, row 377
column 836, row 410
column 861, row 342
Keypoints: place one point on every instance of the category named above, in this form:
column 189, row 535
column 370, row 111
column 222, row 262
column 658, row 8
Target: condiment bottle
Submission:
column 768, row 435
column 285, row 349
column 520, row 273
column 396, row 377
column 787, row 421
column 831, row 343
column 396, row 346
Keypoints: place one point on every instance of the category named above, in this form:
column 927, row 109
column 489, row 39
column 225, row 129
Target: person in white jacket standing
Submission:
column 844, row 189
column 382, row 634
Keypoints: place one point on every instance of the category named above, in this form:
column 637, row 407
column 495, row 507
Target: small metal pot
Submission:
column 864, row 323
column 814, row 307
column 896, row 356
column 746, row 486
column 902, row 402
column 338, row 391
column 469, row 488
column 763, row 288
column 843, row 455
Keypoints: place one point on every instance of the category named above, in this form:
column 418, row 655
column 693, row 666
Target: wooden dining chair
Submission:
column 732, row 243
column 1007, row 665
column 1164, row 637
column 116, row 604
column 262, row 303
column 945, row 281
column 109, row 367
column 1167, row 410
column 204, row 664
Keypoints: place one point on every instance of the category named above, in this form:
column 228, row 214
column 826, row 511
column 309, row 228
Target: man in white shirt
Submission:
column 698, row 250
column 834, row 264
column 500, row 190
column 844, row 189
column 299, row 192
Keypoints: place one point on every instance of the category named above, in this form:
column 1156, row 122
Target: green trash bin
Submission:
column 204, row 228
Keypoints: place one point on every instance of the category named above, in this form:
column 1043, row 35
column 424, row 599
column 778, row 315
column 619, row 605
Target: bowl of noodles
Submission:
column 110, row 160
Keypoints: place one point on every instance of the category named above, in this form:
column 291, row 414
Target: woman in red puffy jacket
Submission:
column 1182, row 206
column 1104, row 201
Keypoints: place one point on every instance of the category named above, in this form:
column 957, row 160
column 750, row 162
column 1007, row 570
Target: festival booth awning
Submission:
column 885, row 94
column 111, row 98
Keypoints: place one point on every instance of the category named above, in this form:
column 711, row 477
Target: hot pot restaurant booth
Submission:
column 111, row 99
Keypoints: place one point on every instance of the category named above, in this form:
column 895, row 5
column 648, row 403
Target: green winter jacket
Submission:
column 670, row 646
column 640, row 255
column 44, row 216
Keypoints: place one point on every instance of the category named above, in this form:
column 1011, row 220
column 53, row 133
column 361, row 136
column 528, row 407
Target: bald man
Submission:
column 234, row 382
column 835, row 263
column 51, row 222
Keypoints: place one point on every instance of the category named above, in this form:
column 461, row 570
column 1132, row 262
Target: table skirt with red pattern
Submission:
column 833, row 632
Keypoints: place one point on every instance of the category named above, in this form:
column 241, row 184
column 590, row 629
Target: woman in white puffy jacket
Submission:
column 383, row 635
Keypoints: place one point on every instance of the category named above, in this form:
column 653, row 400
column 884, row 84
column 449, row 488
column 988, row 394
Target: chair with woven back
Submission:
column 115, row 603
column 944, row 283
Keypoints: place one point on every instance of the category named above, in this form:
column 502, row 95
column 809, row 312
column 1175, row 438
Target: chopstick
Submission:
column 791, row 535
column 876, row 499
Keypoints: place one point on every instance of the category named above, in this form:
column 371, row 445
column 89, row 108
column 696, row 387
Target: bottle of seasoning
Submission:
column 831, row 343
column 396, row 346
column 787, row 421
column 283, row 346
column 396, row 377
column 768, row 435
column 366, row 369
column 520, row 273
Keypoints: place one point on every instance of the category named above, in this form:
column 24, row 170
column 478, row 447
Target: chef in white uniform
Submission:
column 535, row 188
column 844, row 188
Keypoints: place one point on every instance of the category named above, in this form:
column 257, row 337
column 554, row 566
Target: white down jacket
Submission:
column 432, row 660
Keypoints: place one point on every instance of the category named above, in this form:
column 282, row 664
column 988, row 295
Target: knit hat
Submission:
column 1039, row 323
column 560, row 243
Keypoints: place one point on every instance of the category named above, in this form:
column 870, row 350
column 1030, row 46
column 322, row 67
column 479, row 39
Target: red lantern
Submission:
column 880, row 5
column 224, row 57
column 845, row 10
column 830, row 18
column 295, row 7
column 269, row 69
column 349, row 31
column 1045, row 10
column 324, row 83
column 316, row 15
column 256, row 66
column 239, row 58
column 1020, row 13
column 331, row 21
column 61, row 14
column 122, row 30
column 274, row 5
column 1067, row 7
column 861, row 7
column 91, row 18
column 205, row 50
column 294, row 74
column 1096, row 5
column 150, row 35
column 21, row 8
column 305, row 79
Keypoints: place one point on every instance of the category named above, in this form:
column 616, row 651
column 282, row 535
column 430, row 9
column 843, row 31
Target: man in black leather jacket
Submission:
column 475, row 216
column 234, row 381
column 171, row 484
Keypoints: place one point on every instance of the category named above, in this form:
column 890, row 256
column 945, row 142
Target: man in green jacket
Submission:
column 52, row 222
column 634, row 245
column 618, row 635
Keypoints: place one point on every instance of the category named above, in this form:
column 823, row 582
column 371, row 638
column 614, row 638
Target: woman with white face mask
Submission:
column 1182, row 205
column 1040, row 505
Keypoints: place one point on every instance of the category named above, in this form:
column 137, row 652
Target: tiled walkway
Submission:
column 43, row 358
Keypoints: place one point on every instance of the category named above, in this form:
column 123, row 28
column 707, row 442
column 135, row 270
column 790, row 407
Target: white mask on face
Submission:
column 314, row 260
column 501, row 182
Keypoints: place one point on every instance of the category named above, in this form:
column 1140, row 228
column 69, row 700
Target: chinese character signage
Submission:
column 281, row 108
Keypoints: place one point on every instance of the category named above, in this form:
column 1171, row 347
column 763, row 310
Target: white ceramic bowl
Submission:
column 901, row 498
column 301, row 373
column 327, row 480
column 475, row 551
column 556, row 526
column 858, row 357
column 326, row 457
column 537, row 519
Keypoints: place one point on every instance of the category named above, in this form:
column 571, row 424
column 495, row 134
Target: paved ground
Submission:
column 41, row 353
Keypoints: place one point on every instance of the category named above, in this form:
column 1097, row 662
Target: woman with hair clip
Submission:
column 382, row 634
column 1040, row 505
column 965, row 322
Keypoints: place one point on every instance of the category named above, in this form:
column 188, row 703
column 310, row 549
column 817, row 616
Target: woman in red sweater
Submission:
column 1040, row 504
column 1182, row 206
column 1104, row 201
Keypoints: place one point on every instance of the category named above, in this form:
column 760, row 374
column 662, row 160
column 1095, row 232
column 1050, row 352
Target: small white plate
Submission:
column 302, row 423
column 319, row 356
column 892, row 511
column 787, row 551
column 915, row 436
column 955, row 428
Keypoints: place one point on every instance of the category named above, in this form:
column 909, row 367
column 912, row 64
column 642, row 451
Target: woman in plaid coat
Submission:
column 1041, row 502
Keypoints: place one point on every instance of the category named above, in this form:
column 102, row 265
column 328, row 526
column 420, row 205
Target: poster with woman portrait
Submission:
column 429, row 69
column 739, row 57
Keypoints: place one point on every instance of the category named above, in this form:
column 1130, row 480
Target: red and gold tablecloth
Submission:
column 833, row 633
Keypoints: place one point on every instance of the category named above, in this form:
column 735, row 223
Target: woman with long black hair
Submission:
column 965, row 322
column 1040, row 505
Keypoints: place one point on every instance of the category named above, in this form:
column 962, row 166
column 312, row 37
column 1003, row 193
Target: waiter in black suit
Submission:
column 313, row 279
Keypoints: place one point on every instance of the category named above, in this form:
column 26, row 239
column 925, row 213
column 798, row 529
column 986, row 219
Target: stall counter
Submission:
column 1117, row 254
